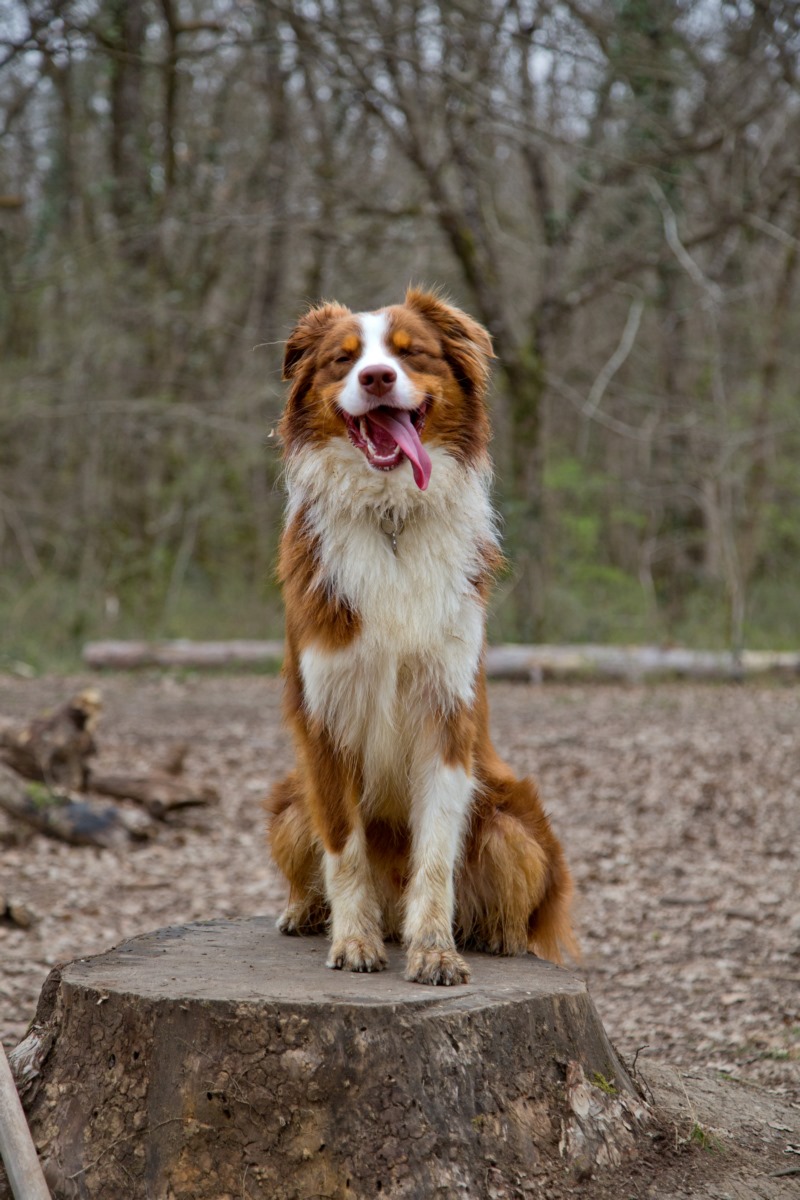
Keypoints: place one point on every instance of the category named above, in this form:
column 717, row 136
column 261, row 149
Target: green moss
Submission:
column 40, row 796
column 705, row 1139
column 605, row 1085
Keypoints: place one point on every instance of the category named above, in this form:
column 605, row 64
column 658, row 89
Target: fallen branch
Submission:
column 160, row 793
column 53, row 752
column 77, row 822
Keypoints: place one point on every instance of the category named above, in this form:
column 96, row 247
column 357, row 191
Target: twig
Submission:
column 610, row 368
column 636, row 1056
column 713, row 290
column 771, row 230
column 16, row 1144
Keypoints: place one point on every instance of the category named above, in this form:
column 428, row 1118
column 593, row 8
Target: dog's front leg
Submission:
column 356, row 935
column 332, row 794
column 440, row 805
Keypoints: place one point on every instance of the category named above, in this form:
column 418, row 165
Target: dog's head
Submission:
column 393, row 382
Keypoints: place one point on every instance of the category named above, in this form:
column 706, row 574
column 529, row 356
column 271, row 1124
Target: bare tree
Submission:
column 610, row 186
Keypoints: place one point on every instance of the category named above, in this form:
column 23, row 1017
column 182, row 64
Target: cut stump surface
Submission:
column 221, row 1059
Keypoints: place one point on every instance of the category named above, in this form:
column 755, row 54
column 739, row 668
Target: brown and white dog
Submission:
column 400, row 819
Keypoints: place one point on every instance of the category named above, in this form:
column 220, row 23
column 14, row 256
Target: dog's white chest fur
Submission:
column 421, row 633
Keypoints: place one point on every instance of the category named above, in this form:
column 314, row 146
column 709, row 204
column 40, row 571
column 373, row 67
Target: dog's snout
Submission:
column 377, row 380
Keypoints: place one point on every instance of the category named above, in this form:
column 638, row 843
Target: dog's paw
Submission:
column 434, row 966
column 289, row 922
column 299, row 919
column 357, row 954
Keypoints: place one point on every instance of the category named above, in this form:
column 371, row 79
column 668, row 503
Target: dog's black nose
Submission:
column 377, row 380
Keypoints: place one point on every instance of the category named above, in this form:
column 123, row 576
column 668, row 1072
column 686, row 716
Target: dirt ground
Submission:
column 679, row 809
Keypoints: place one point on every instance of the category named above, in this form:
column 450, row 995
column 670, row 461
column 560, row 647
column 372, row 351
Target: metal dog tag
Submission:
column 392, row 527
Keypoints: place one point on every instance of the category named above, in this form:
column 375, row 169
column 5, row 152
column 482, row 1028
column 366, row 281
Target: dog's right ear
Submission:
column 306, row 334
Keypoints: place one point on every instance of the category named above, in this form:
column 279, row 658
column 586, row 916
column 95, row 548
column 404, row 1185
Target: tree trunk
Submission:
column 130, row 191
column 222, row 1060
column 523, row 499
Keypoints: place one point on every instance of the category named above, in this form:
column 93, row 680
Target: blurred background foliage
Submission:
column 611, row 186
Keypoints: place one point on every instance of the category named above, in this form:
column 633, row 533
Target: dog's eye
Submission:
column 344, row 358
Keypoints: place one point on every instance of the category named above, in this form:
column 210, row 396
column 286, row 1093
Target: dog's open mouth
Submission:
column 387, row 435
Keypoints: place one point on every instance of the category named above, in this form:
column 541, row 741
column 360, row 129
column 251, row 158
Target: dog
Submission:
column 400, row 820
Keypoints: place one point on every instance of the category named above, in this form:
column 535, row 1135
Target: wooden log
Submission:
column 528, row 664
column 81, row 823
column 55, row 749
column 17, row 1150
column 158, row 792
column 224, row 1060
column 633, row 663
column 13, row 912
column 181, row 653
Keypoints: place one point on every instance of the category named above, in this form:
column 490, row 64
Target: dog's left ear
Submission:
column 306, row 334
column 466, row 343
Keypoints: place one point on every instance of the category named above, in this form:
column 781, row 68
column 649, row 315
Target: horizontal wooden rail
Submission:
column 511, row 662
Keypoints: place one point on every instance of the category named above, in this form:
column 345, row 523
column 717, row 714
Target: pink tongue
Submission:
column 399, row 426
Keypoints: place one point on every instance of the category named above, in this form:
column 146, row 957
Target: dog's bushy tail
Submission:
column 550, row 933
column 515, row 888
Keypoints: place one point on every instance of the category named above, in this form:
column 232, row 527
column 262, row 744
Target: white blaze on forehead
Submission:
column 375, row 352
column 374, row 339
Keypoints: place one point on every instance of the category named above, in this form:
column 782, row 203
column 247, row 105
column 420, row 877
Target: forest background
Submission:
column 611, row 186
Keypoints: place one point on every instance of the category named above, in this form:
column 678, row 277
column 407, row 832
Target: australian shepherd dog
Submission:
column 400, row 820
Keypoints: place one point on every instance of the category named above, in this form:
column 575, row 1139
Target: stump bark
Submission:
column 222, row 1060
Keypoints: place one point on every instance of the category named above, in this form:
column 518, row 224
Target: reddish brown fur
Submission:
column 448, row 352
column 322, row 336
column 513, row 888
column 456, row 736
column 315, row 614
column 442, row 348
column 297, row 854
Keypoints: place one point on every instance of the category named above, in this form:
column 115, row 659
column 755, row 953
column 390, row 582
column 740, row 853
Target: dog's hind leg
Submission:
column 298, row 854
column 514, row 888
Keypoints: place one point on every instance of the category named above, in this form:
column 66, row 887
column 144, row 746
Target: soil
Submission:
column 679, row 809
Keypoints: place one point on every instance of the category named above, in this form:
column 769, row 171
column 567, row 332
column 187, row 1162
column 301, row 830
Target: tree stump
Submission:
column 221, row 1060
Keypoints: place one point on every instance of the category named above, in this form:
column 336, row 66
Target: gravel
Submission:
column 678, row 806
